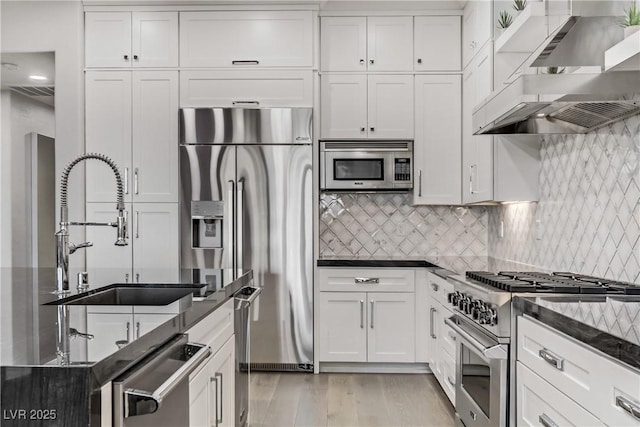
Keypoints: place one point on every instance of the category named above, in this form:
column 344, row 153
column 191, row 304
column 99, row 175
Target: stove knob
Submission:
column 463, row 303
column 450, row 297
column 471, row 305
column 492, row 317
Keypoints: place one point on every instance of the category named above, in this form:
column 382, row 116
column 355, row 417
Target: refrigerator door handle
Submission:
column 229, row 219
column 240, row 226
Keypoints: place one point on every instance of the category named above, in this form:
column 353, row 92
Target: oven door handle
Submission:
column 492, row 350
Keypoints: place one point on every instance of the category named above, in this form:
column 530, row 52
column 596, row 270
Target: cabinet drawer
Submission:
column 539, row 403
column 246, row 39
column 439, row 288
column 448, row 370
column 448, row 335
column 592, row 380
column 246, row 88
column 215, row 329
column 366, row 280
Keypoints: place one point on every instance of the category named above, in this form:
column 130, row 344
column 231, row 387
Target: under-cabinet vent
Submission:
column 281, row 367
column 595, row 114
column 34, row 90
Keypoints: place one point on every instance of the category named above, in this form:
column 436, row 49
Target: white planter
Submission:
column 630, row 30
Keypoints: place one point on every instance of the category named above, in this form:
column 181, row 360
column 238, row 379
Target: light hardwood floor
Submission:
column 294, row 399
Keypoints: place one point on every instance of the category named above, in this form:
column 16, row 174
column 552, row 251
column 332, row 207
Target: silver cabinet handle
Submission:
column 245, row 62
column 135, row 180
column 219, row 375
column 452, row 335
column 471, row 179
column 552, row 359
column 126, row 278
column 452, row 382
column 137, row 330
column 361, row 314
column 228, row 217
column 137, row 224
column 128, row 331
column 366, row 280
column 546, row 421
column 240, row 224
column 431, row 323
column 214, row 381
column 371, row 303
column 126, row 180
column 137, row 277
column 628, row 406
column 434, row 286
column 420, row 183
column 245, row 102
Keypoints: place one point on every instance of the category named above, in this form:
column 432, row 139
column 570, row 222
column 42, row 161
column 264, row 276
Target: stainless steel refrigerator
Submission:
column 246, row 202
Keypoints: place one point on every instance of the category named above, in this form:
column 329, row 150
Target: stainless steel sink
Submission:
column 131, row 295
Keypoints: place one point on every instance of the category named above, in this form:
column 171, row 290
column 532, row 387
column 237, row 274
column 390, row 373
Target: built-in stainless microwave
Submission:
column 366, row 165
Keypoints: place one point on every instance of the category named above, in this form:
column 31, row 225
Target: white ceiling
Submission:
column 17, row 67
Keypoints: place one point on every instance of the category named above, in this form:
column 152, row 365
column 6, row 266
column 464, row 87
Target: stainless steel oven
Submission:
column 366, row 165
column 481, row 375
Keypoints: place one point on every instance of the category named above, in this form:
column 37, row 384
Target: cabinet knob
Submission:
column 362, row 129
column 419, row 60
column 126, row 57
column 372, row 129
column 362, row 62
column 135, row 57
column 371, row 61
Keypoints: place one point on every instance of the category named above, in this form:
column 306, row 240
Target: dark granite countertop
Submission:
column 455, row 264
column 28, row 337
column 609, row 324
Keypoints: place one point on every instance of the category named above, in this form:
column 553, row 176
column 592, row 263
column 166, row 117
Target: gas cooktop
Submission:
column 559, row 282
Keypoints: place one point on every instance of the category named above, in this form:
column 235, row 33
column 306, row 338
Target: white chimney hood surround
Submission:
column 566, row 103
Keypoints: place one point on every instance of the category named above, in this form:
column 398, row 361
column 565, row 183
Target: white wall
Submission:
column 26, row 116
column 44, row 26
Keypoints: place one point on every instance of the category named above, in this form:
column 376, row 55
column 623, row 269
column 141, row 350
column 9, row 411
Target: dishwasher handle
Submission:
column 141, row 402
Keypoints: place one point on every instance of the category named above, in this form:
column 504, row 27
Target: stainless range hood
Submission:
column 570, row 102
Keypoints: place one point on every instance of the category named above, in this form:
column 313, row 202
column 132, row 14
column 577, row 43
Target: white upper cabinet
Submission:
column 378, row 43
column 246, row 39
column 438, row 140
column 131, row 39
column 360, row 106
column 343, row 42
column 437, row 43
column 132, row 118
column 154, row 234
column 390, row 43
column 390, row 106
column 476, row 28
column 343, row 106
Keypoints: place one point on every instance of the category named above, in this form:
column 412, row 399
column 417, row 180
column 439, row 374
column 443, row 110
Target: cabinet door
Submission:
column 437, row 43
column 447, row 366
column 108, row 39
column 202, row 396
column 435, row 328
column 251, row 38
column 250, row 88
column 343, row 43
column 154, row 39
column 468, row 28
column 541, row 404
column 438, row 141
column 143, row 322
column 108, row 131
column 106, row 262
column 390, row 43
column 483, row 24
column 223, row 373
column 390, row 106
column 155, row 242
column 107, row 330
column 343, row 327
column 155, row 128
column 391, row 327
column 343, row 106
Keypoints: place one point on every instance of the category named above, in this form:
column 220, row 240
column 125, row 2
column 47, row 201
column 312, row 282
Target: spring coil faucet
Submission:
column 63, row 247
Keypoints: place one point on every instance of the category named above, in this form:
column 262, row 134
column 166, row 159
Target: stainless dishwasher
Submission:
column 243, row 300
column 156, row 391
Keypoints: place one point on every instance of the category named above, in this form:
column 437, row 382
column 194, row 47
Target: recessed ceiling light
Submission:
column 37, row 77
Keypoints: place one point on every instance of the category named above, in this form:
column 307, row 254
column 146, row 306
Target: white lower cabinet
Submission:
column 212, row 387
column 541, row 404
column 115, row 326
column 212, row 390
column 366, row 326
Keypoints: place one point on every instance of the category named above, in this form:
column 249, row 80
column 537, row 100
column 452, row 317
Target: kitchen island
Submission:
column 36, row 389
